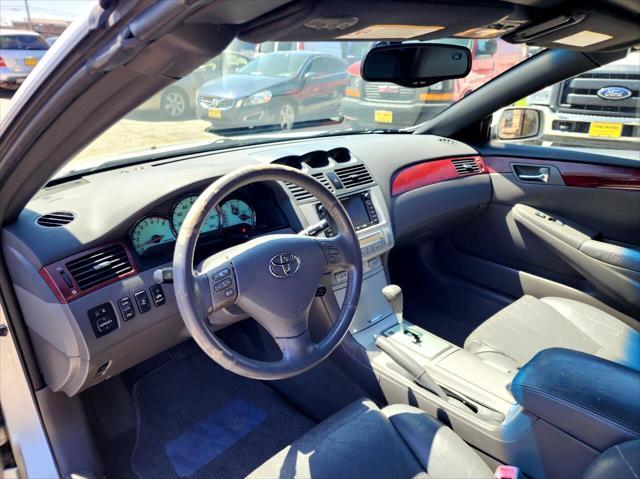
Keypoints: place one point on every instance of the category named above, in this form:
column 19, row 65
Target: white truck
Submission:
column 598, row 109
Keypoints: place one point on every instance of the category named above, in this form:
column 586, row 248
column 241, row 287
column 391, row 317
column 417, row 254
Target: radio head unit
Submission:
column 359, row 208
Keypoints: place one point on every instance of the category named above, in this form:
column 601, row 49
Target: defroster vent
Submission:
column 100, row 266
column 55, row 219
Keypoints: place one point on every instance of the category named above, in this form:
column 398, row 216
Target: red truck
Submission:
column 374, row 105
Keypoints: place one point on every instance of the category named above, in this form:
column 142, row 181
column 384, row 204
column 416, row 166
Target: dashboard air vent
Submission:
column 300, row 194
column 55, row 219
column 100, row 266
column 466, row 166
column 352, row 176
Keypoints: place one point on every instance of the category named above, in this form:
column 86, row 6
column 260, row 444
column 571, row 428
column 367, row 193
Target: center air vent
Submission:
column 100, row 266
column 352, row 176
column 300, row 194
column 466, row 166
column 55, row 219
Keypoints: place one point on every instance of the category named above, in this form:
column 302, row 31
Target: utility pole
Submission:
column 26, row 7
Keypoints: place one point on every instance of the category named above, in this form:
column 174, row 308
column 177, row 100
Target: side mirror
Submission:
column 311, row 75
column 519, row 123
column 487, row 47
column 416, row 64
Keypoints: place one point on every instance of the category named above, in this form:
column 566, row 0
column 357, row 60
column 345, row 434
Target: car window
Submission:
column 275, row 65
column 320, row 67
column 22, row 42
column 597, row 111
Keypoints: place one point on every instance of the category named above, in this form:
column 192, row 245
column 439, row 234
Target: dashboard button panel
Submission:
column 143, row 301
column 157, row 295
column 103, row 319
column 126, row 308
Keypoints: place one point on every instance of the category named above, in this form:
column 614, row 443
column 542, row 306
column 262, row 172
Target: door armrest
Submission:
column 623, row 257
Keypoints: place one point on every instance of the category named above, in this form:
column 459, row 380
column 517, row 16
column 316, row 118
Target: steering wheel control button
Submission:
column 229, row 292
column 221, row 274
column 157, row 295
column 223, row 284
column 143, row 301
column 126, row 308
column 321, row 291
column 103, row 319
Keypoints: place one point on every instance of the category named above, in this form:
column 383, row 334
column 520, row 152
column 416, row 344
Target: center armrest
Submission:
column 592, row 399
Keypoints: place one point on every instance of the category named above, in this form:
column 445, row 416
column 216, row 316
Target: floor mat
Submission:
column 197, row 420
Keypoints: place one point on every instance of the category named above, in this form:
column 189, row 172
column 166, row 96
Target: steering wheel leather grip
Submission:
column 273, row 278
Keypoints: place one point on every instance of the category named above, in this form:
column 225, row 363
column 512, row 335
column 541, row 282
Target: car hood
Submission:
column 239, row 86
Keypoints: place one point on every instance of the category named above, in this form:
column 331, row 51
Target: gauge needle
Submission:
column 154, row 239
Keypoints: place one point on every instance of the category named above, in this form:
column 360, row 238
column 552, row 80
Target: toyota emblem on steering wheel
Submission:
column 284, row 265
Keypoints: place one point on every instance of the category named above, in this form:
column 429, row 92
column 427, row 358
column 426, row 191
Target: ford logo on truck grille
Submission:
column 614, row 93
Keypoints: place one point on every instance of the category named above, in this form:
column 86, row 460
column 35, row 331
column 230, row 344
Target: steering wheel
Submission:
column 272, row 278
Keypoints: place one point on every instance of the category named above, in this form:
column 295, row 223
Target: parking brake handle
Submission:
column 418, row 373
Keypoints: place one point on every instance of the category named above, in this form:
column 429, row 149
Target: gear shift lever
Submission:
column 393, row 294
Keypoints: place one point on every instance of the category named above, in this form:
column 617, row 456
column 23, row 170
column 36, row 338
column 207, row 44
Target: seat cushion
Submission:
column 511, row 337
column 362, row 441
column 619, row 462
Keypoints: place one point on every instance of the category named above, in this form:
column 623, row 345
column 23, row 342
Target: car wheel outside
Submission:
column 175, row 103
column 286, row 116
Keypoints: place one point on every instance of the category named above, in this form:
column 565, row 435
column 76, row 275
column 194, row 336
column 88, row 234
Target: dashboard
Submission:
column 82, row 254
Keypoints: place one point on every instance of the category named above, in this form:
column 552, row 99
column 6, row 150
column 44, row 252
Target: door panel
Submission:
column 602, row 201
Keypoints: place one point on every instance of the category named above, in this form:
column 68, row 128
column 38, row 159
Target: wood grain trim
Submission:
column 53, row 275
column 431, row 172
column 584, row 175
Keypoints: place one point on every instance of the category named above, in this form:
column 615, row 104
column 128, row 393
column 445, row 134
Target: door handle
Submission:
column 542, row 177
column 533, row 174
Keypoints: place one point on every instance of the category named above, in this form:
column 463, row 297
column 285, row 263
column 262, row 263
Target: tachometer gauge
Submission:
column 151, row 231
column 182, row 207
column 237, row 213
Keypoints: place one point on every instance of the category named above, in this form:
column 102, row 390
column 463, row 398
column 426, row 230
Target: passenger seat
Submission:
column 511, row 337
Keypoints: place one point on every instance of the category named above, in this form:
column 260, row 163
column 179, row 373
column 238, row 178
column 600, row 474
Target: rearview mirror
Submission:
column 416, row 64
column 518, row 124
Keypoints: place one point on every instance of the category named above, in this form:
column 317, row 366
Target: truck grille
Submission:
column 580, row 94
column 388, row 92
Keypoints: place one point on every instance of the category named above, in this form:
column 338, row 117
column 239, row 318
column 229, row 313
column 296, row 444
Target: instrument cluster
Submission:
column 231, row 217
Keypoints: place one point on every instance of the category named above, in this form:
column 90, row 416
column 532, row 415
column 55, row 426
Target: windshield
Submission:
column 22, row 42
column 254, row 92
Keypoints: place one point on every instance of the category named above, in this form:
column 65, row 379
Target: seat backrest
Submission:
column 621, row 461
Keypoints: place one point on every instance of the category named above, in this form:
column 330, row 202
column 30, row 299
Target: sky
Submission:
column 53, row 9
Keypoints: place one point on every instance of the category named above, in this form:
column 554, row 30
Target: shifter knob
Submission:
column 393, row 294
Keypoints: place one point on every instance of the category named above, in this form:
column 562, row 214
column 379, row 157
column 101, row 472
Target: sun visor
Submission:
column 584, row 30
column 372, row 20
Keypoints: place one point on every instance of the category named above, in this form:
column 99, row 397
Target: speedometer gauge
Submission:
column 237, row 213
column 151, row 231
column 182, row 207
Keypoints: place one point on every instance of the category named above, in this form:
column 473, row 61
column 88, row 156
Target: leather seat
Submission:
column 402, row 442
column 511, row 337
column 362, row 441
